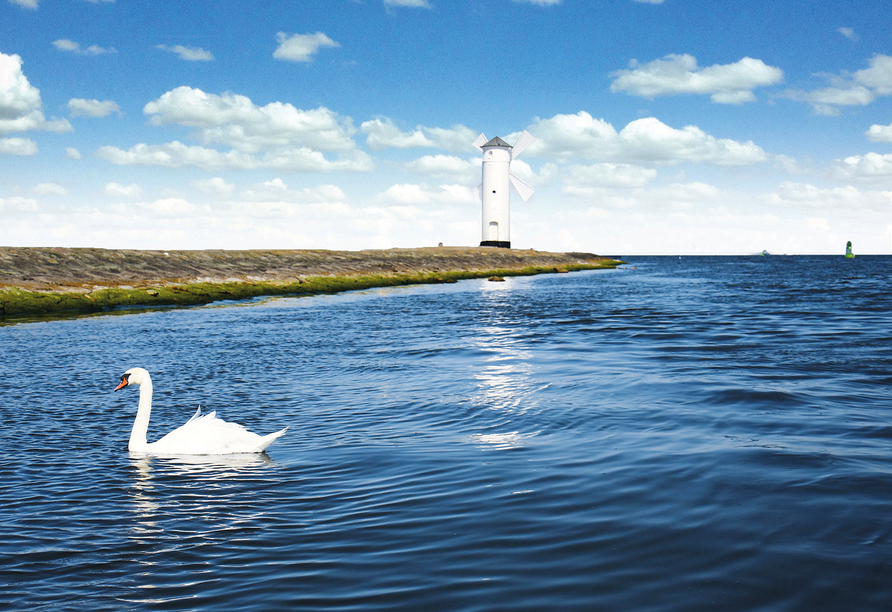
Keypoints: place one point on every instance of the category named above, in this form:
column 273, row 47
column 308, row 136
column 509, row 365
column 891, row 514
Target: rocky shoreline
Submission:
column 54, row 280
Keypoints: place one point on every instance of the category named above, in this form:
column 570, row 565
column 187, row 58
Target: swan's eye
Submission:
column 126, row 378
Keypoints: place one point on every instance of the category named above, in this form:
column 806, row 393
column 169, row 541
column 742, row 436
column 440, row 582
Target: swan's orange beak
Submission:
column 123, row 383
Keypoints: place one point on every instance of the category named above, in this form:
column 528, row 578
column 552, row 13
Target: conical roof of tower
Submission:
column 496, row 142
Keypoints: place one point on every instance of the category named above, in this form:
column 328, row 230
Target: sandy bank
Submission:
column 45, row 280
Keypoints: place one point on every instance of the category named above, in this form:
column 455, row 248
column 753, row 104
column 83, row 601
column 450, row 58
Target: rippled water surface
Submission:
column 679, row 434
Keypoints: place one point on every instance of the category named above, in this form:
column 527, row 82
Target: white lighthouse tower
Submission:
column 497, row 156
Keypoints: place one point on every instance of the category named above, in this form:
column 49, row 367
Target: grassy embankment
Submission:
column 42, row 281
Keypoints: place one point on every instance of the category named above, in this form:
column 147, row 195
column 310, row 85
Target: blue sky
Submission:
column 662, row 126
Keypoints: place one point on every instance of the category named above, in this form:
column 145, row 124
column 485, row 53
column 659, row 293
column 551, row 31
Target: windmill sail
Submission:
column 522, row 143
column 481, row 140
column 522, row 187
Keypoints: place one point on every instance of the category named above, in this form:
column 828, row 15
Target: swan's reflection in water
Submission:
column 185, row 477
column 193, row 464
column 189, row 512
column 191, row 475
column 182, row 504
column 145, row 507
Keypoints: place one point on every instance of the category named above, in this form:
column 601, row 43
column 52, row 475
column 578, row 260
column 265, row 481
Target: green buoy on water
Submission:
column 849, row 254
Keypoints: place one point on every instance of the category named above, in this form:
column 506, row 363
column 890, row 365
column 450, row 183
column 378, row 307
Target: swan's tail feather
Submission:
column 266, row 440
column 196, row 415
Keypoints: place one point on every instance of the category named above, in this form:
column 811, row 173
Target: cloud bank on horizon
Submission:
column 660, row 128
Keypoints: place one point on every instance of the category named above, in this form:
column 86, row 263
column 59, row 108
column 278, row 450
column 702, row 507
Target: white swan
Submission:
column 203, row 434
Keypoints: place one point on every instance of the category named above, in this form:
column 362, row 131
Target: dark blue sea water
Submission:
column 680, row 434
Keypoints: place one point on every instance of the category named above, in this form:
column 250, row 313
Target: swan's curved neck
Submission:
column 138, row 440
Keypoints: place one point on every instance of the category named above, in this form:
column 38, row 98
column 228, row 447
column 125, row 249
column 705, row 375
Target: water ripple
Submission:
column 680, row 434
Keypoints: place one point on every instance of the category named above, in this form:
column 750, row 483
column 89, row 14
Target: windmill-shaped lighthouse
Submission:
column 497, row 156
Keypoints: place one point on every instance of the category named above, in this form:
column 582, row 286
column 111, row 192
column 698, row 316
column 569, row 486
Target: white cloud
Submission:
column 879, row 76
column 163, row 208
column 404, row 194
column 17, row 146
column 276, row 136
column 817, row 223
column 869, row 167
column 17, row 204
column 686, row 194
column 545, row 176
column 216, row 187
column 304, row 159
column 539, row 2
column 858, row 89
column 20, row 105
column 828, row 100
column 675, row 198
column 444, row 167
column 645, row 140
column 277, row 191
column 28, row 4
column 72, row 153
column 408, row 3
column 423, row 194
column 679, row 74
column 236, row 121
column 880, row 133
column 63, row 44
column 297, row 216
column 170, row 207
column 382, row 133
column 807, row 195
column 788, row 164
column 606, row 175
column 458, row 194
column 177, row 155
column 50, row 189
column 34, row 120
column 301, row 47
column 116, row 190
column 190, row 54
column 17, row 95
column 79, row 107
column 848, row 33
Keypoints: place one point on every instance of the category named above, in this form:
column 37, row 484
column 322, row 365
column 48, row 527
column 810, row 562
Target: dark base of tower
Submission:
column 496, row 243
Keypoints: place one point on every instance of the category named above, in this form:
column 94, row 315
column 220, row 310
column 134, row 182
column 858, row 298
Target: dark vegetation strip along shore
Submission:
column 52, row 280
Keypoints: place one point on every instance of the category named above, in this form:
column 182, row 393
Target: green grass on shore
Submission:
column 15, row 301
